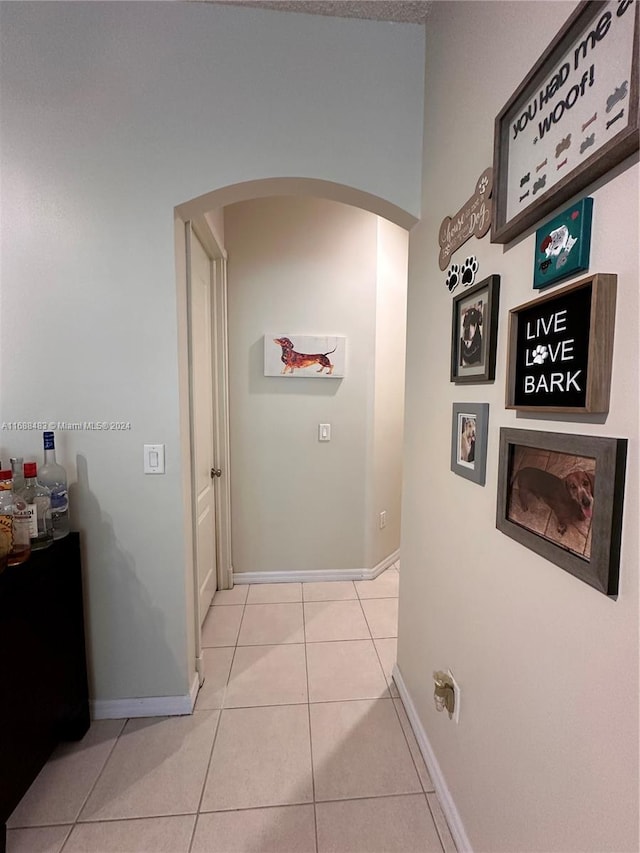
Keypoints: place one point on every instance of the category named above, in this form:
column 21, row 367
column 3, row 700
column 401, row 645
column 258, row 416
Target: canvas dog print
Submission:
column 321, row 356
column 552, row 494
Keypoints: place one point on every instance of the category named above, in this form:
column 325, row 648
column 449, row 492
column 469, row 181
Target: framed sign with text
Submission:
column 561, row 349
column 572, row 119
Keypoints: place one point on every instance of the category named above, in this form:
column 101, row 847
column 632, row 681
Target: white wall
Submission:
column 388, row 412
column 545, row 757
column 112, row 114
column 311, row 267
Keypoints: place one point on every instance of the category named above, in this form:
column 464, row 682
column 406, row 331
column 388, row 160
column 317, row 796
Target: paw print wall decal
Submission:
column 453, row 277
column 468, row 271
column 540, row 354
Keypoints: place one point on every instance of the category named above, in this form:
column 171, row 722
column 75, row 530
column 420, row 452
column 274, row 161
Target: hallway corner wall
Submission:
column 545, row 755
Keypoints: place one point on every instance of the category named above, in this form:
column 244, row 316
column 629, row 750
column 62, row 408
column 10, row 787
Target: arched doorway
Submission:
column 188, row 215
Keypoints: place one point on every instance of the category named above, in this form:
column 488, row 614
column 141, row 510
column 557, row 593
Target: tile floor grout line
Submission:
column 406, row 738
column 366, row 621
column 435, row 822
column 77, row 820
column 231, row 809
column 233, row 656
column 70, row 828
column 217, row 726
column 375, row 648
column 313, row 781
column 204, row 780
column 297, row 704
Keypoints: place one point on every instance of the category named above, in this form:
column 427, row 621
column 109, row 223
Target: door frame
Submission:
column 220, row 374
column 199, row 227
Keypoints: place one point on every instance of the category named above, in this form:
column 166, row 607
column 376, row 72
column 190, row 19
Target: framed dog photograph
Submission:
column 474, row 332
column 320, row 356
column 561, row 495
column 469, row 425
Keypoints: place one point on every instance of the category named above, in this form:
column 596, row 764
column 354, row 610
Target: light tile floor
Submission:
column 298, row 742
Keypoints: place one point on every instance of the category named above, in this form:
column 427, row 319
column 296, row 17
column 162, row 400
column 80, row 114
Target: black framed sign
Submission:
column 561, row 349
column 573, row 117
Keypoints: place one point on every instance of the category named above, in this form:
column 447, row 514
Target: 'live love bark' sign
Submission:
column 561, row 347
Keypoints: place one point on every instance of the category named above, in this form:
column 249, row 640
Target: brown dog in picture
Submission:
column 292, row 359
column 570, row 498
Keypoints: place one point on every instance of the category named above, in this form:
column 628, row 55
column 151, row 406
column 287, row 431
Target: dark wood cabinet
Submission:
column 43, row 673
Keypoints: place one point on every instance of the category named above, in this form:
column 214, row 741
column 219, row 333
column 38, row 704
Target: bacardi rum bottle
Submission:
column 38, row 500
column 15, row 546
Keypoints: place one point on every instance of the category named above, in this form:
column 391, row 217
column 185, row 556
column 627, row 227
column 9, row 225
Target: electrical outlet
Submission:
column 456, row 697
column 383, row 519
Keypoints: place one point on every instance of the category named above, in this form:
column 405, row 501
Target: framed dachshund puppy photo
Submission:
column 561, row 496
column 469, row 425
column 474, row 332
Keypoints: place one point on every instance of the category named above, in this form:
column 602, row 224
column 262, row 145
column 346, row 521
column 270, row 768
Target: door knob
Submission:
column 216, row 472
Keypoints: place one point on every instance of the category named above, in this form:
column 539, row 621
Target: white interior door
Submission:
column 200, row 311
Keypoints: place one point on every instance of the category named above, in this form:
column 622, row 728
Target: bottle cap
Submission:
column 6, row 475
column 30, row 469
column 48, row 440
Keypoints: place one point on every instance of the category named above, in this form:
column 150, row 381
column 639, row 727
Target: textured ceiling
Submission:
column 404, row 11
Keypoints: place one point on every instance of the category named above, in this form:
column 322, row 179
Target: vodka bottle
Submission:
column 38, row 499
column 54, row 477
column 15, row 544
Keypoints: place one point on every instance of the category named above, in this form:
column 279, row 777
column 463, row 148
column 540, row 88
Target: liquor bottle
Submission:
column 38, row 499
column 15, row 544
column 54, row 477
column 17, row 464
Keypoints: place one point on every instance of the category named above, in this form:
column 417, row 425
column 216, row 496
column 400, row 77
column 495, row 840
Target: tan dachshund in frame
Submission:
column 292, row 359
column 570, row 499
column 468, row 440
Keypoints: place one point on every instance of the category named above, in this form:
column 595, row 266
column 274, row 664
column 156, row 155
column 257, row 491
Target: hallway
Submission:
column 298, row 742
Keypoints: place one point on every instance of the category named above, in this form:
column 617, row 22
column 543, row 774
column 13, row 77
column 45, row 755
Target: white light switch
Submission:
column 154, row 459
column 324, row 432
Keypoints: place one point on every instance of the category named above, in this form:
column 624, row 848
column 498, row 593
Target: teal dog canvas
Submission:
column 563, row 245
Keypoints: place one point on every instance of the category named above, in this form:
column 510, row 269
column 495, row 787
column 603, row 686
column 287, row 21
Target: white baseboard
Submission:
column 147, row 706
column 449, row 809
column 317, row 574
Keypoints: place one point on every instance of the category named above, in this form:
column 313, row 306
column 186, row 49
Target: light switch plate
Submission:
column 154, row 459
column 324, row 432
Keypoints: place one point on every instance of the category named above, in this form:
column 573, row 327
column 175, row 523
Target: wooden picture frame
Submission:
column 572, row 119
column 469, row 429
column 474, row 329
column 561, row 495
column 560, row 349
